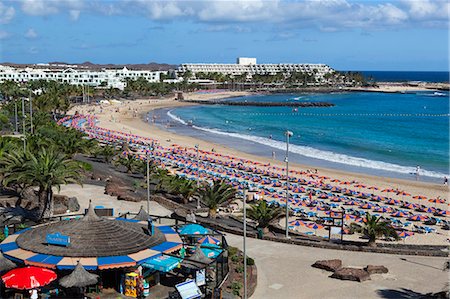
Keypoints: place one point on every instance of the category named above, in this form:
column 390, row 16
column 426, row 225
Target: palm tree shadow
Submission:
column 408, row 294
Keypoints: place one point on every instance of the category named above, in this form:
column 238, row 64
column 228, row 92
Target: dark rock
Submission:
column 371, row 269
column 353, row 274
column 328, row 265
column 73, row 204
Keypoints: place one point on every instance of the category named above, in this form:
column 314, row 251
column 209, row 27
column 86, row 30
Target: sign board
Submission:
column 335, row 233
column 200, row 277
column 188, row 289
column 57, row 239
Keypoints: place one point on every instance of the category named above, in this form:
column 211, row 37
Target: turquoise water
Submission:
column 379, row 131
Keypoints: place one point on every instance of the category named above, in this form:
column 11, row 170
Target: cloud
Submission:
column 6, row 13
column 325, row 15
column 31, row 33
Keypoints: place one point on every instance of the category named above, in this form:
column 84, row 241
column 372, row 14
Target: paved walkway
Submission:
column 284, row 271
column 99, row 198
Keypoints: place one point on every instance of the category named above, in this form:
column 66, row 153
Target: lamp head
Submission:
column 289, row 133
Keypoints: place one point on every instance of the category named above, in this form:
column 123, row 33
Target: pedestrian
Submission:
column 33, row 294
column 445, row 181
column 273, row 155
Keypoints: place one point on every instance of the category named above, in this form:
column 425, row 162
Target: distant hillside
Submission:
column 152, row 66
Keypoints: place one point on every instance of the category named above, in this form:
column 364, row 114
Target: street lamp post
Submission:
column 148, row 178
column 23, row 124
column 286, row 159
column 198, row 176
column 245, row 245
column 31, row 114
column 15, row 117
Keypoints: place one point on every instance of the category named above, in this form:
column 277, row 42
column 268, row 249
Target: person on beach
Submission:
column 445, row 181
column 417, row 172
column 273, row 155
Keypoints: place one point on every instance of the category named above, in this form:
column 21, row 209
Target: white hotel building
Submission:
column 108, row 77
column 250, row 67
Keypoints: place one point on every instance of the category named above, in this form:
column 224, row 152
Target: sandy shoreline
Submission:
column 130, row 115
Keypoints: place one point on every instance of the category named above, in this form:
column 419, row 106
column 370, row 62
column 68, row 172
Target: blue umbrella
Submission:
column 193, row 229
column 211, row 252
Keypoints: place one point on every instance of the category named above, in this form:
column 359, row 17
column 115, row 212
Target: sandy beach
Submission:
column 129, row 116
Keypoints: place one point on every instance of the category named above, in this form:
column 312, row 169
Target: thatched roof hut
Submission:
column 78, row 278
column 91, row 236
column 198, row 260
column 142, row 215
column 6, row 264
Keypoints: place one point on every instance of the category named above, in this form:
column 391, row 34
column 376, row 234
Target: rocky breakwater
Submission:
column 260, row 104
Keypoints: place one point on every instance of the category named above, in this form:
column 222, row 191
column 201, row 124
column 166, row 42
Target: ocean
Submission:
column 389, row 76
column 375, row 133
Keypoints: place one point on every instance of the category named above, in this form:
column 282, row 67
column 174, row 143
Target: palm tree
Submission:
column 215, row 195
column 264, row 214
column 108, row 152
column 129, row 162
column 45, row 169
column 373, row 228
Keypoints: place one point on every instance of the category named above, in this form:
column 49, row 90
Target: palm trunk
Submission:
column 212, row 213
column 48, row 205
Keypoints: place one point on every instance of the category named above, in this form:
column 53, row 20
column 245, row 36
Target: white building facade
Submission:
column 250, row 67
column 115, row 78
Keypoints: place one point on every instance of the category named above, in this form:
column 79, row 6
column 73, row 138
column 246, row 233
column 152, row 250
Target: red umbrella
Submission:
column 437, row 200
column 420, row 197
column 28, row 278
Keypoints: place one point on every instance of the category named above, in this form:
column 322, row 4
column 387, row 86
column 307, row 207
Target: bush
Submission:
column 250, row 261
column 232, row 251
column 85, row 166
column 236, row 287
column 235, row 258
column 240, row 269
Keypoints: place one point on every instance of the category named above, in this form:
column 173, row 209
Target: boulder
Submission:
column 371, row 269
column 328, row 265
column 353, row 274
column 62, row 203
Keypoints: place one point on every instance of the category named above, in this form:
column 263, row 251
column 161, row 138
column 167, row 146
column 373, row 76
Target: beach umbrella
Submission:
column 383, row 209
column 335, row 180
column 399, row 214
column 392, row 202
column 372, row 188
column 351, row 203
column 437, row 200
column 359, row 186
column 405, row 234
column 377, row 198
column 418, row 217
column 28, row 278
column 314, row 226
column 209, row 240
column 366, row 206
column 349, row 217
column 79, row 278
column 411, row 206
column 403, row 193
column 419, row 197
column 193, row 229
column 444, row 213
column 297, row 223
column 346, row 183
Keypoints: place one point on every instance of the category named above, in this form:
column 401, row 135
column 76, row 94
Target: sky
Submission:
column 402, row 35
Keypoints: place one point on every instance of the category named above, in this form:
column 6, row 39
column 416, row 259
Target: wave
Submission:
column 311, row 152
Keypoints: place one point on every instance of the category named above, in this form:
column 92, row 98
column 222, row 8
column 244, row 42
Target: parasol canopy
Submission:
column 28, row 278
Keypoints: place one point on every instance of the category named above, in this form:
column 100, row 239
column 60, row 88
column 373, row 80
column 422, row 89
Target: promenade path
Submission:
column 284, row 271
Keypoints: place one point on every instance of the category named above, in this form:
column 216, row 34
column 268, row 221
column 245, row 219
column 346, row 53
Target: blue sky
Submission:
column 347, row 35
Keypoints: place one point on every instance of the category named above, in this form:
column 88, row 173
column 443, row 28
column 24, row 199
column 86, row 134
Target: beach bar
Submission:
column 128, row 255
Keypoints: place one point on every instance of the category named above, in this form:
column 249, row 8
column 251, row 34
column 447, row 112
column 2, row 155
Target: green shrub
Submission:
column 2, row 237
column 250, row 261
column 236, row 287
column 240, row 269
column 85, row 166
column 232, row 251
column 235, row 258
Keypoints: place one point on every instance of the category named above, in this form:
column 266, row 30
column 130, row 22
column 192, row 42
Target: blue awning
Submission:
column 163, row 247
column 166, row 229
column 8, row 246
column 45, row 259
column 163, row 263
column 119, row 259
